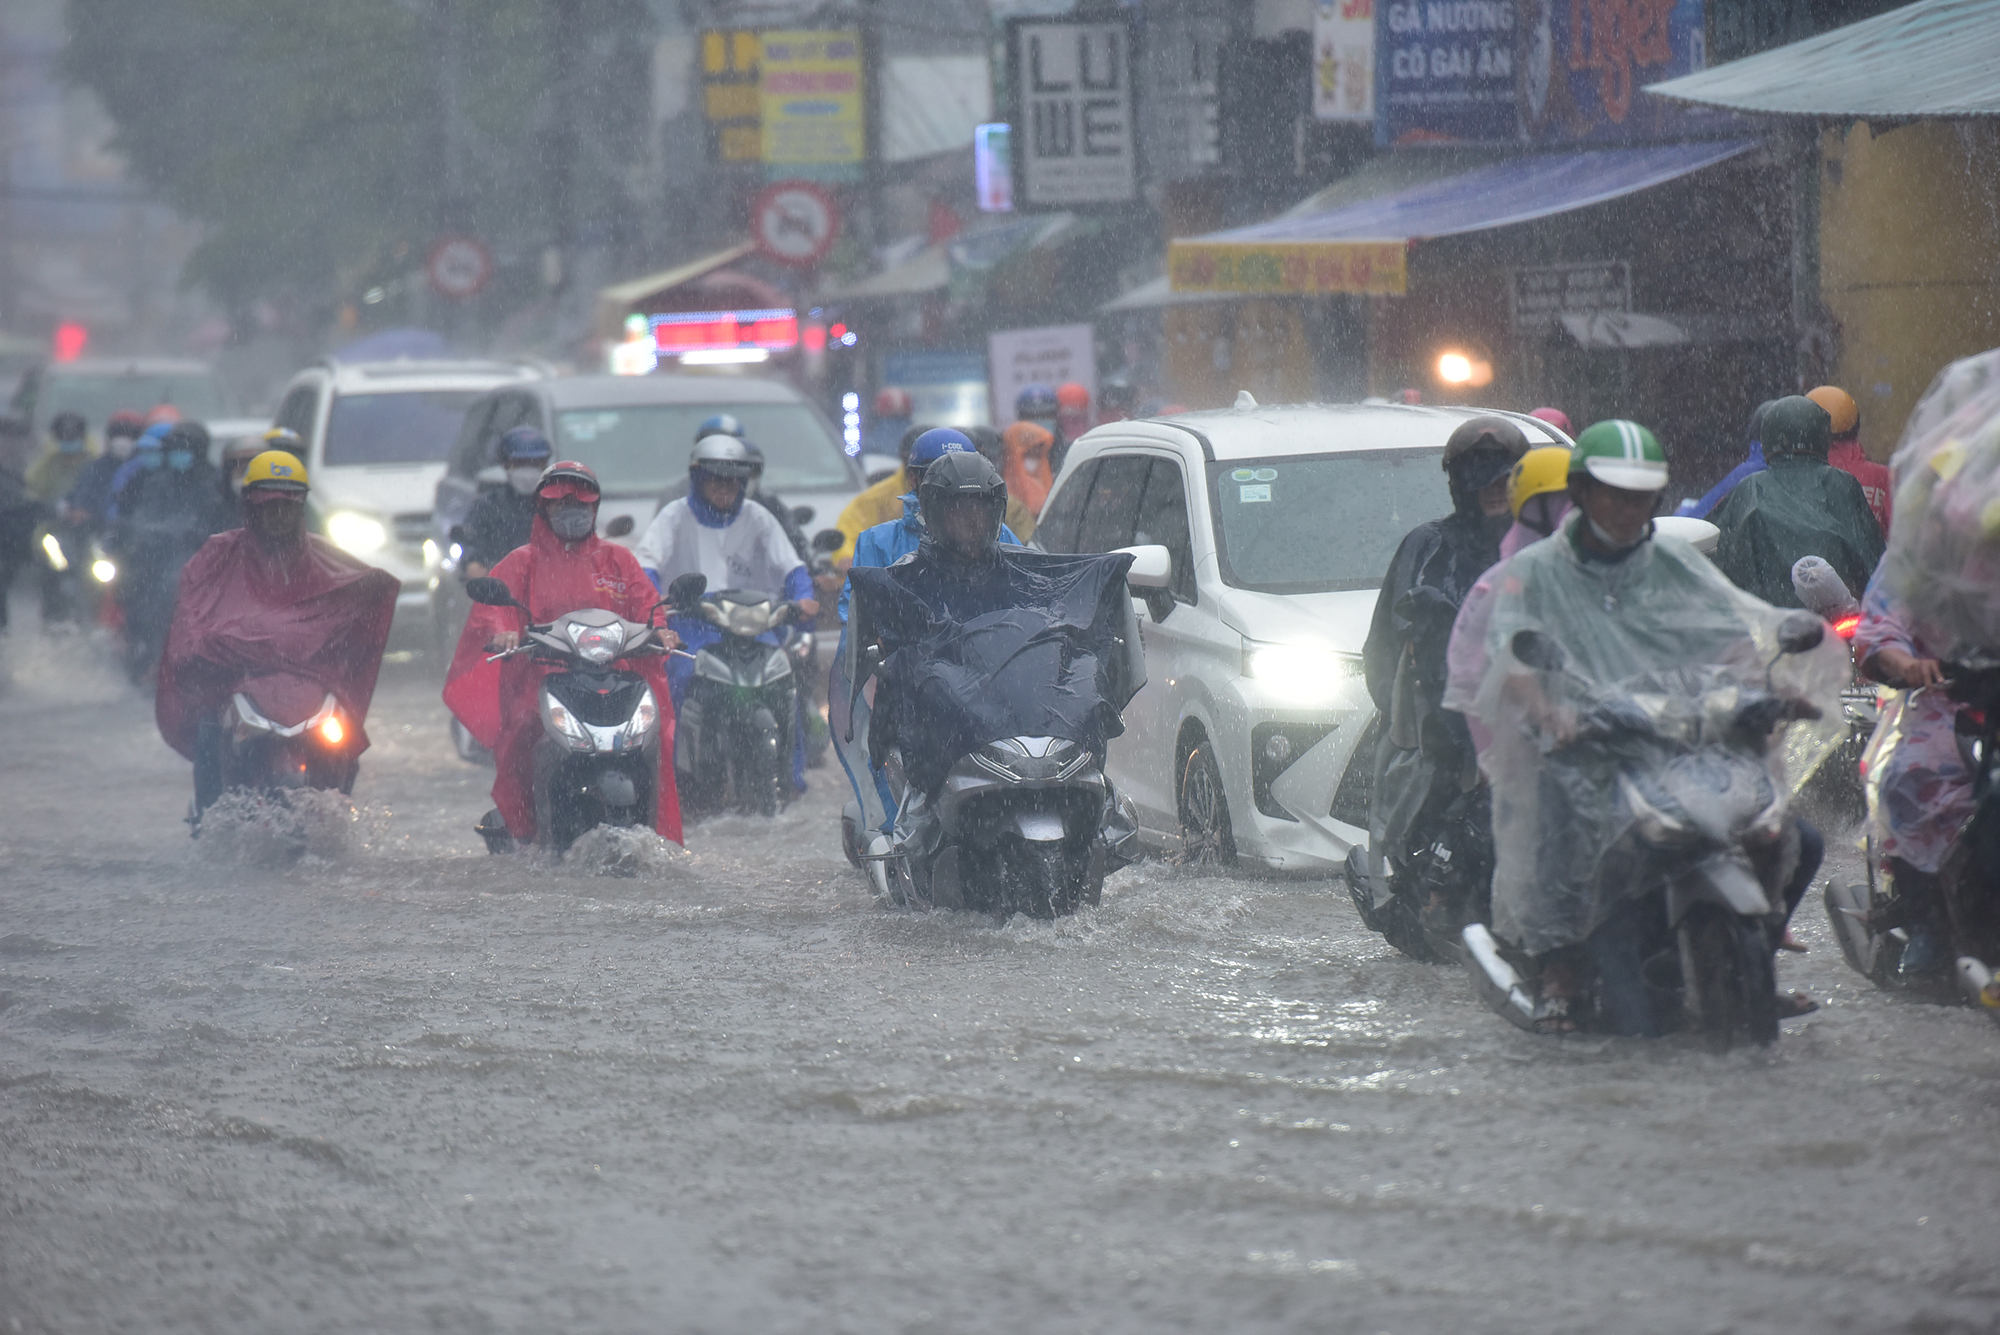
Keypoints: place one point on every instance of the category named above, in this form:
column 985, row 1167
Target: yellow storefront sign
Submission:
column 1292, row 268
column 810, row 90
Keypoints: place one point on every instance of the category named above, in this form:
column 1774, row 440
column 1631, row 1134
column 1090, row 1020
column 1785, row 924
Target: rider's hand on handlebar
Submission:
column 1906, row 670
column 1558, row 721
column 504, row 642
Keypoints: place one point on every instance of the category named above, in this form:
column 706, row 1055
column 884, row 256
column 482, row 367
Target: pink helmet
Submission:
column 1556, row 418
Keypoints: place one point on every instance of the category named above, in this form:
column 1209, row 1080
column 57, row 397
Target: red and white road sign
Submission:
column 459, row 267
column 794, row 222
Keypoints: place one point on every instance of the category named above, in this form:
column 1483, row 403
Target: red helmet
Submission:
column 1072, row 396
column 567, row 478
column 893, row 402
column 162, row 412
column 1556, row 418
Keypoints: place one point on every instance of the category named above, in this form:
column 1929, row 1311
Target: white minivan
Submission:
column 1254, row 736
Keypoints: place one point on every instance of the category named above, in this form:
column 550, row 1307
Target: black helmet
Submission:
column 1796, row 425
column 722, row 456
column 67, row 426
column 190, row 436
column 1500, row 441
column 961, row 480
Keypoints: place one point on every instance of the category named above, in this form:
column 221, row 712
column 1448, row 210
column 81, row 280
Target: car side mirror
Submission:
column 686, row 590
column 803, row 515
column 1152, row 566
column 620, row 526
column 1538, row 651
column 827, row 540
column 490, row 592
column 1800, row 632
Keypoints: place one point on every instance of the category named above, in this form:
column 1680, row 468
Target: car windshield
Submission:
column 1316, row 523
column 96, row 397
column 407, row 427
column 647, row 446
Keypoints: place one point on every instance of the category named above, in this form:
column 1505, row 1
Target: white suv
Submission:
column 1254, row 736
column 377, row 435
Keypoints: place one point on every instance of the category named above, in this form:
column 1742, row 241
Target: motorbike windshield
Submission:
column 1047, row 660
column 1662, row 622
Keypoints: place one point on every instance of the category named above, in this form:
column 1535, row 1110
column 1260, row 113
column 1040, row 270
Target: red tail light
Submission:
column 1845, row 627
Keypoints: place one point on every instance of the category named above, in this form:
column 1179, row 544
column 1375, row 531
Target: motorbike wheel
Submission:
column 1207, row 841
column 1042, row 881
column 1731, row 982
column 761, row 766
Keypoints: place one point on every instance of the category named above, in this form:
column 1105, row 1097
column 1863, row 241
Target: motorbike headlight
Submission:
column 356, row 533
column 332, row 731
column 52, row 548
column 103, row 570
column 597, row 644
column 1299, row 669
column 563, row 725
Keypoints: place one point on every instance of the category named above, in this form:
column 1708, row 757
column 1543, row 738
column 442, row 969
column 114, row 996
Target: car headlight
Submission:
column 1299, row 669
column 103, row 570
column 356, row 533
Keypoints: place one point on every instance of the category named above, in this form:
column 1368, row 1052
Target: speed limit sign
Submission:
column 794, row 222
column 459, row 267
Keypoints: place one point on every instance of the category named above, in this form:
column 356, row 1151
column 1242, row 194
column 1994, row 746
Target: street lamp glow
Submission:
column 1454, row 368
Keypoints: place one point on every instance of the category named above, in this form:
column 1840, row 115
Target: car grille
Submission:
column 411, row 530
column 1356, row 793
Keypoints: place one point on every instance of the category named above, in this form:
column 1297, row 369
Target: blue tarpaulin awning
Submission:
column 1360, row 246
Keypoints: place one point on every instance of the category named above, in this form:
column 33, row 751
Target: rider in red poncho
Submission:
column 565, row 566
column 275, row 611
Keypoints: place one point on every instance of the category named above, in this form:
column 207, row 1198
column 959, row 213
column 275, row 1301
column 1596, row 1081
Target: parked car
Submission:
column 97, row 387
column 1254, row 735
column 377, row 435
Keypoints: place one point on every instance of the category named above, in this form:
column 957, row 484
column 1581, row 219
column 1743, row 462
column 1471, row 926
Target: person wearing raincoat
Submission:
column 1846, row 454
column 1025, row 452
column 1800, row 505
column 267, row 598
column 1753, row 462
column 1624, row 605
column 1422, row 761
column 563, row 567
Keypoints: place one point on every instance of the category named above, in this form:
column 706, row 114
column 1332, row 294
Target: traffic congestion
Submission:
column 767, row 793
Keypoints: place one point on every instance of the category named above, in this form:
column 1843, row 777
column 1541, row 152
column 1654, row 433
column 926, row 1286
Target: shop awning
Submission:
column 1362, row 246
column 979, row 247
column 636, row 289
column 1933, row 58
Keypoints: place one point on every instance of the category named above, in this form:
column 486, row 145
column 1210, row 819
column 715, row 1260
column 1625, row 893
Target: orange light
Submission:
column 331, row 731
column 1454, row 368
column 1845, row 627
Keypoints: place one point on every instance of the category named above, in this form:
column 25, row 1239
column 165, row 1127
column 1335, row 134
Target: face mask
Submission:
column 122, row 447
column 180, row 460
column 150, row 459
column 1610, row 543
column 71, row 446
column 571, row 521
column 523, row 480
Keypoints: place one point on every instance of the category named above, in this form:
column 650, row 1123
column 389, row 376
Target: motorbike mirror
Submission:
column 686, row 590
column 1800, row 632
column 489, row 592
column 1538, row 651
column 803, row 515
column 619, row 526
column 828, row 540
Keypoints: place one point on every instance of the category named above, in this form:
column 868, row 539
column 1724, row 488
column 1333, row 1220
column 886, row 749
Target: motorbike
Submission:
column 1835, row 785
column 734, row 734
column 148, row 560
column 1700, row 810
column 1440, row 886
column 1018, row 824
column 279, row 733
column 597, row 760
column 1869, row 918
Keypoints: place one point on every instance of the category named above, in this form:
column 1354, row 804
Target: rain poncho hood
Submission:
column 1660, row 620
column 285, row 626
column 497, row 702
column 1943, row 564
column 1800, row 505
column 1026, row 647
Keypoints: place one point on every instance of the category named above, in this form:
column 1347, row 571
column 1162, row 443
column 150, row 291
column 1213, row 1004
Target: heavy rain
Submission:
column 999, row 665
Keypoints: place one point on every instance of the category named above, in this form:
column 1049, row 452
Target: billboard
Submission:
column 1344, row 61
column 1070, row 82
column 809, row 94
column 1050, row 356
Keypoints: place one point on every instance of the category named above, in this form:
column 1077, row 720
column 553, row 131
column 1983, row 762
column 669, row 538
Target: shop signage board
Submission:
column 809, row 96
column 1071, row 87
column 1344, row 61
column 1289, row 268
column 993, row 167
column 730, row 99
column 1534, row 71
column 1542, row 293
column 1051, row 356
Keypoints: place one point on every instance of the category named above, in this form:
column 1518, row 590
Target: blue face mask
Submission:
column 72, row 446
column 150, row 459
column 180, row 460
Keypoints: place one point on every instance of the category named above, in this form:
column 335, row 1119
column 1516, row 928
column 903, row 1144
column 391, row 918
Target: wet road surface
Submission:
column 402, row 1086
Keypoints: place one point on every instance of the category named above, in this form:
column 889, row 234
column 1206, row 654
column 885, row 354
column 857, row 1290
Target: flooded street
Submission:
column 406, row 1086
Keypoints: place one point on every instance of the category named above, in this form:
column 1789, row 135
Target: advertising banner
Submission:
column 1071, row 89
column 1344, row 60
column 1048, row 356
column 1444, row 71
column 1288, row 268
column 1542, row 293
column 729, row 96
column 809, row 91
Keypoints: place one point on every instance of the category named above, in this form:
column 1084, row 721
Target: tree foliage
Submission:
column 312, row 138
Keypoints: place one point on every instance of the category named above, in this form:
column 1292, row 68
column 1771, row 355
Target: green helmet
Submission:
column 1620, row 454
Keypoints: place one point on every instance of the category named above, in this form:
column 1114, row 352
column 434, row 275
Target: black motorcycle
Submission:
column 734, row 734
column 1870, row 919
column 597, row 761
column 1704, row 828
column 278, row 734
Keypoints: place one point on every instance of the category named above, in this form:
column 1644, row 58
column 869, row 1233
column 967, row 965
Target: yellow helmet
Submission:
column 1543, row 469
column 278, row 471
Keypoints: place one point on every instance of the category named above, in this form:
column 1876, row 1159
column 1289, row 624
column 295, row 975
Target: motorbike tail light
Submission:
column 1847, row 625
column 332, row 731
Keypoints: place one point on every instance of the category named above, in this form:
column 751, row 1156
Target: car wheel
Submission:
column 1206, row 837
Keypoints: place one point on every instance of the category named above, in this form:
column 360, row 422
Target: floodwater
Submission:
column 402, row 1086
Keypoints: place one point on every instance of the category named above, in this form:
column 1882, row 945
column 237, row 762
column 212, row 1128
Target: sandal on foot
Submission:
column 1791, row 1005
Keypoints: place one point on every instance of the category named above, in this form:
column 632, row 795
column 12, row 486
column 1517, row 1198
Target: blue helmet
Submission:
column 525, row 442
column 934, row 444
column 1037, row 403
column 722, row 424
